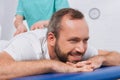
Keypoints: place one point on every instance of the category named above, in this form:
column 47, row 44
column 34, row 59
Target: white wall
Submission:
column 104, row 22
column 7, row 13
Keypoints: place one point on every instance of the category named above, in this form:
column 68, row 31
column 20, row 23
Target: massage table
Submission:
column 103, row 73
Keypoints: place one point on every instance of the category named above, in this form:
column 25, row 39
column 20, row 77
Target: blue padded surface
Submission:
column 104, row 73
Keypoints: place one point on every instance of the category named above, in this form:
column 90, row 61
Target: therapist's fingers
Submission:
column 37, row 27
column 20, row 29
column 17, row 32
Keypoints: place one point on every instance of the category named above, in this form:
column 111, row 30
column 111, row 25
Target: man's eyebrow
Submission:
column 87, row 38
column 76, row 38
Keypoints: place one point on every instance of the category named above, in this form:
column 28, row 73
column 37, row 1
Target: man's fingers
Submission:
column 83, row 63
column 71, row 64
column 85, row 69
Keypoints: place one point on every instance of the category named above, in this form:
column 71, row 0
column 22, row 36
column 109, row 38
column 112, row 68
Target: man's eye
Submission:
column 73, row 41
column 85, row 41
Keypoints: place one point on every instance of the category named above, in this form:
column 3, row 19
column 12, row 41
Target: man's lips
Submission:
column 75, row 57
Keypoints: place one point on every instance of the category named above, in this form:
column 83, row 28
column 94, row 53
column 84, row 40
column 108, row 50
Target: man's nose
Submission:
column 80, row 47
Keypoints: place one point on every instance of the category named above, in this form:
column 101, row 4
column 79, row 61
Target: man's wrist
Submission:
column 103, row 59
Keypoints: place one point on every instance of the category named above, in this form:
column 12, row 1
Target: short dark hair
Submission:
column 55, row 22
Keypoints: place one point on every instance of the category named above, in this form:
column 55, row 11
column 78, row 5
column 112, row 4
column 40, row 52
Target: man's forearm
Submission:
column 111, row 59
column 105, row 58
column 18, row 69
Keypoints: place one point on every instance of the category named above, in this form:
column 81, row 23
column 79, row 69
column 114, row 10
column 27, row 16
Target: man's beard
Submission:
column 61, row 56
column 64, row 56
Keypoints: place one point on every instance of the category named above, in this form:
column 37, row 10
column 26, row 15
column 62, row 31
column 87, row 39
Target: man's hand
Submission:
column 70, row 67
column 39, row 25
column 20, row 29
column 96, row 61
column 85, row 66
column 93, row 62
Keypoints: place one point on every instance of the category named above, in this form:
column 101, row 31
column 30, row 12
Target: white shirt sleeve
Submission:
column 22, row 48
column 90, row 52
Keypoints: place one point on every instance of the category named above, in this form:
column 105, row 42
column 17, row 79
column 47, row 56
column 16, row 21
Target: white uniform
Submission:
column 33, row 46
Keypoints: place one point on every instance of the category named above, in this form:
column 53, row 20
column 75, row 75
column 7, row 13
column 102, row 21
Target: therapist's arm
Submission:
column 9, row 68
column 19, row 25
column 105, row 58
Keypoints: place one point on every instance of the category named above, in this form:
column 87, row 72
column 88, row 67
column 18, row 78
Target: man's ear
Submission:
column 51, row 38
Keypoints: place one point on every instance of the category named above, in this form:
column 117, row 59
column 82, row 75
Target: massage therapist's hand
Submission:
column 39, row 25
column 67, row 68
column 20, row 29
column 96, row 61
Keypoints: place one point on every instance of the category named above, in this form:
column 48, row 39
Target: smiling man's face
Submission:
column 72, row 41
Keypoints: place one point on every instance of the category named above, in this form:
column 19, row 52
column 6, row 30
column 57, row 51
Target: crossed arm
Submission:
column 104, row 58
column 9, row 68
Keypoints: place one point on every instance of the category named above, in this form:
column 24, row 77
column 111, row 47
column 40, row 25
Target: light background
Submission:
column 103, row 17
